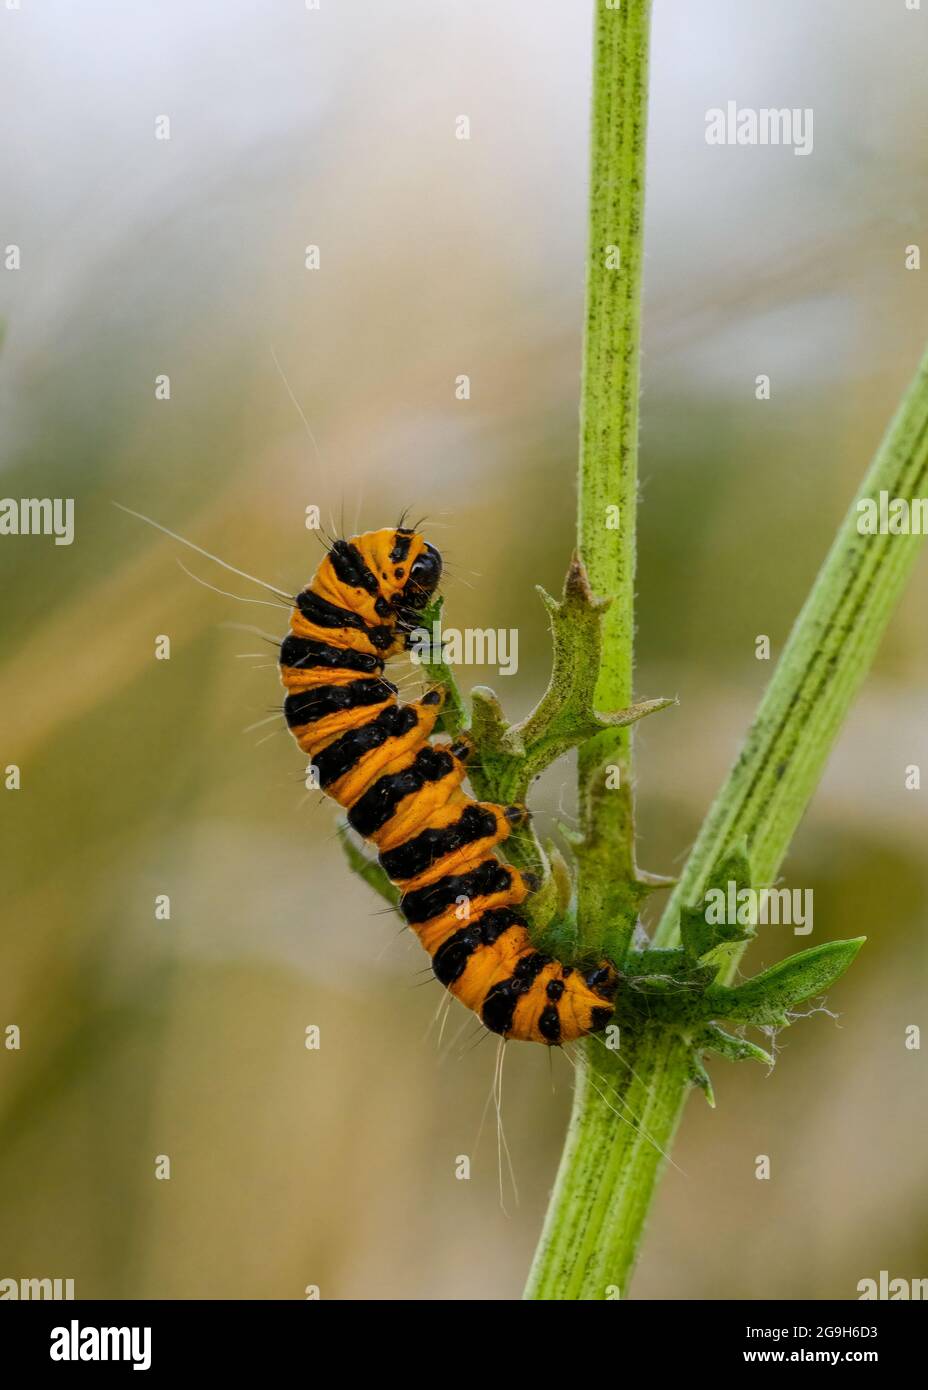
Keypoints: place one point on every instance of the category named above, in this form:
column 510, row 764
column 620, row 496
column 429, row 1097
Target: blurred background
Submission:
column 438, row 257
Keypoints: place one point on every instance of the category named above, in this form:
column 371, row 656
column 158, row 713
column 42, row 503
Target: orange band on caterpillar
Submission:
column 405, row 795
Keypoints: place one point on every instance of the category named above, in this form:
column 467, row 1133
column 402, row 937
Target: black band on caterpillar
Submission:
column 371, row 812
column 303, row 653
column 475, row 822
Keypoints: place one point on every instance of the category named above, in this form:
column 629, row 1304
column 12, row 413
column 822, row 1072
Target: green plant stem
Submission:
column 609, row 1171
column 608, row 472
column 626, row 1110
column 827, row 656
column 611, row 345
column 628, row 1101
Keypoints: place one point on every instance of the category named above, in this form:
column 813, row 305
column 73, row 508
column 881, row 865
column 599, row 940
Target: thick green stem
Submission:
column 595, row 1172
column 591, row 1244
column 626, row 1109
column 611, row 346
column 608, row 474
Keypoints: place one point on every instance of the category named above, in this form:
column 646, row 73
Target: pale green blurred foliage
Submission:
column 140, row 1038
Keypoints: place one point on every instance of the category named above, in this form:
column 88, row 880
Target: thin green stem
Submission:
column 828, row 654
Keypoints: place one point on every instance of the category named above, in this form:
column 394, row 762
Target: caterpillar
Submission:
column 404, row 794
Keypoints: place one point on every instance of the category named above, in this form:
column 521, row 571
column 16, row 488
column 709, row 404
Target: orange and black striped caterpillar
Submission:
column 372, row 755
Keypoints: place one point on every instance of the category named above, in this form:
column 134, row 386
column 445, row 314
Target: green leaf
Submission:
column 565, row 714
column 511, row 756
column 700, row 1077
column 735, row 1049
column 715, row 1039
column 508, row 758
column 766, row 999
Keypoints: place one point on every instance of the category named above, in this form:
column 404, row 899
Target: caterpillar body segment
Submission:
column 405, row 794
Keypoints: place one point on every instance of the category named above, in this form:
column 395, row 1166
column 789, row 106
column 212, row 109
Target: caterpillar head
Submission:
column 406, row 567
